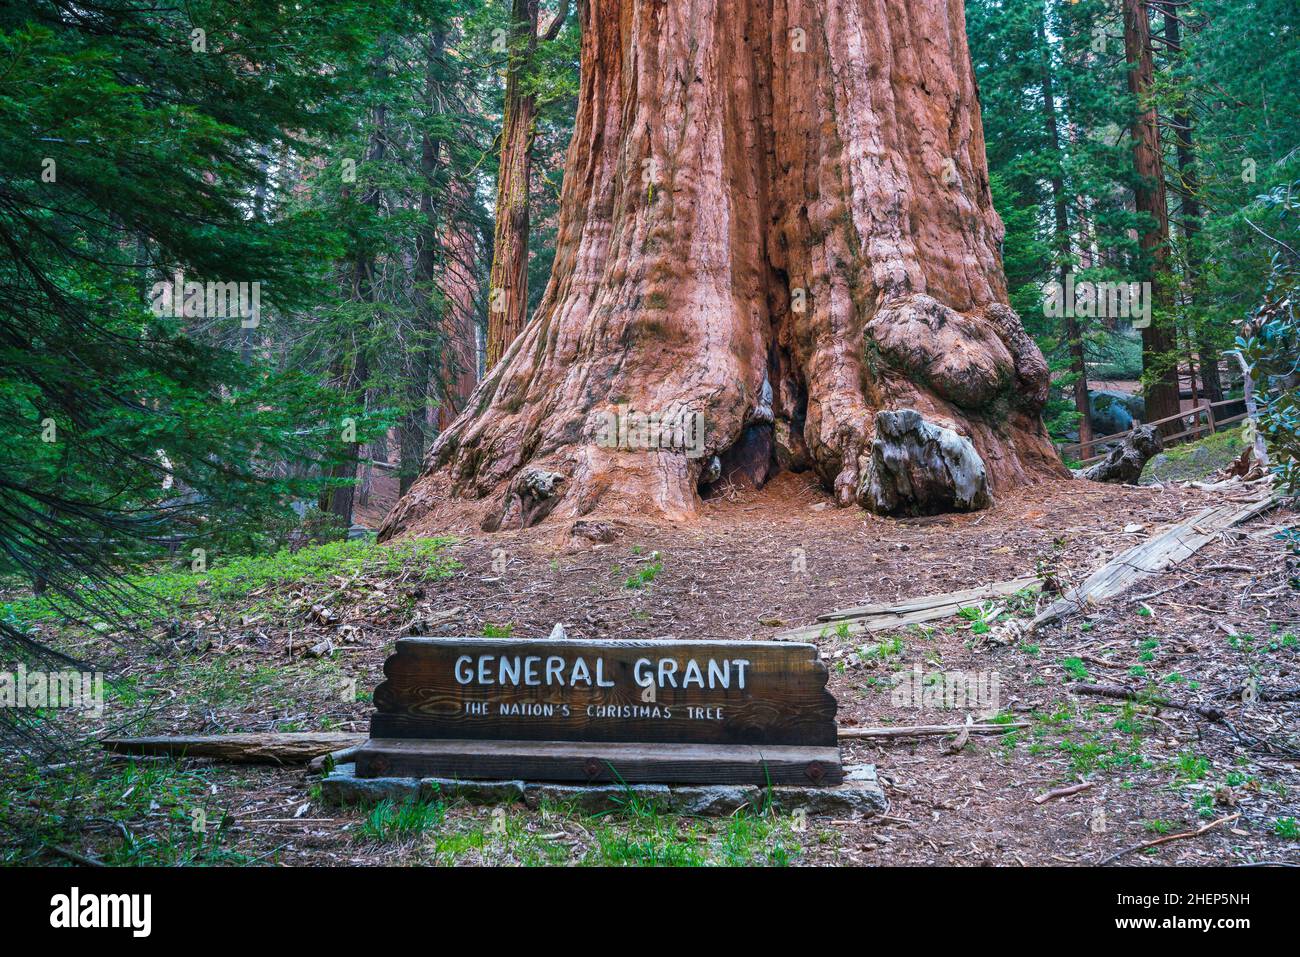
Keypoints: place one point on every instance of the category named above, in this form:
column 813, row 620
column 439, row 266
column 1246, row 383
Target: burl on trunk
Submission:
column 776, row 216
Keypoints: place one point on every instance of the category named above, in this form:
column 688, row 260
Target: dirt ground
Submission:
column 758, row 563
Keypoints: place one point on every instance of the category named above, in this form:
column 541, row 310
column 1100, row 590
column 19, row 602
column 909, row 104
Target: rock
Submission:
column 558, row 633
column 919, row 468
column 715, row 799
column 1123, row 464
column 342, row 786
column 474, row 792
column 595, row 798
column 1112, row 411
column 860, row 793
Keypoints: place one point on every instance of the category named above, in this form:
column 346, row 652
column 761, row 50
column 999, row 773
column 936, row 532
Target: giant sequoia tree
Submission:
column 775, row 214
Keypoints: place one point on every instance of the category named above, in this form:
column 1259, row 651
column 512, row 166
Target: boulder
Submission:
column 1112, row 411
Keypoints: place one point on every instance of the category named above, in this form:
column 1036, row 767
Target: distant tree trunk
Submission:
column 461, row 357
column 508, row 285
column 508, row 292
column 1159, row 356
column 775, row 214
column 419, row 372
column 350, row 369
column 1060, row 205
column 1190, row 210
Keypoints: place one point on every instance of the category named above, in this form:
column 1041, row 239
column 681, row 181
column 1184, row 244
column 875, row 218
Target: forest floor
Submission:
column 235, row 657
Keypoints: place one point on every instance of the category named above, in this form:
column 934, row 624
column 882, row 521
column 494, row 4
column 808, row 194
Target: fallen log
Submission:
column 342, row 756
column 1141, row 697
column 929, row 730
column 270, row 748
column 868, row 618
column 1123, row 464
column 1158, row 553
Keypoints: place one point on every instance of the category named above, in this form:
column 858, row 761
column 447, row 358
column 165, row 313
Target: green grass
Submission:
column 1195, row 460
column 161, row 592
column 636, row 832
column 883, row 650
column 1189, row 768
column 644, row 577
column 395, row 821
column 1075, row 668
column 133, row 814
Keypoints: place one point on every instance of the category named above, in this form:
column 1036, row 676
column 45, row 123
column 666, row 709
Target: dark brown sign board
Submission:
column 751, row 712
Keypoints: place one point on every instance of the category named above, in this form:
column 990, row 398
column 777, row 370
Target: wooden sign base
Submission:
column 635, row 712
column 600, row 762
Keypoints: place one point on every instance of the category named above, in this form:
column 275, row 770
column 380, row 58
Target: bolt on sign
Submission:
column 703, row 712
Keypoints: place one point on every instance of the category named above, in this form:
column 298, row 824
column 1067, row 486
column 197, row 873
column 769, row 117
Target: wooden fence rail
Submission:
column 1195, row 428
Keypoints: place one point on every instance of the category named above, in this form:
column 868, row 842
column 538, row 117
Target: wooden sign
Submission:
column 664, row 711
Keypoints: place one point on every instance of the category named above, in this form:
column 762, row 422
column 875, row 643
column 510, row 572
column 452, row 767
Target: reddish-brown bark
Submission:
column 1159, row 361
column 508, row 285
column 790, row 193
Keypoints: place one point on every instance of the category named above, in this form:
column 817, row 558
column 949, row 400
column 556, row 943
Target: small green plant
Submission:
column 1075, row 668
column 498, row 631
column 1190, row 768
column 888, row 648
column 1288, row 828
column 643, row 577
column 392, row 821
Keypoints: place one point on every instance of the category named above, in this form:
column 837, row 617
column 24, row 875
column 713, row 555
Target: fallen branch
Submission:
column 1167, row 838
column 76, row 857
column 1141, row 697
column 295, row 748
column 1062, row 792
column 930, row 730
column 1262, row 694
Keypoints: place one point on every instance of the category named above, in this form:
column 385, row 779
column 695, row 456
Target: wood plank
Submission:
column 865, row 619
column 721, row 692
column 960, row 598
column 271, row 748
column 600, row 762
column 1158, row 553
column 930, row 730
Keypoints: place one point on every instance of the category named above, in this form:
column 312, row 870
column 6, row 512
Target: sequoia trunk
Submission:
column 508, row 286
column 1159, row 360
column 775, row 215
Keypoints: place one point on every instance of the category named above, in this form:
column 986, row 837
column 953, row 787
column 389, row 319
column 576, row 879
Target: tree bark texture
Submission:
column 776, row 215
column 508, row 292
column 1159, row 360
